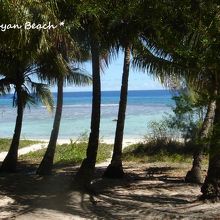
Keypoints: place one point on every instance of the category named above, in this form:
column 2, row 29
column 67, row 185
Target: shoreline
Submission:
column 126, row 141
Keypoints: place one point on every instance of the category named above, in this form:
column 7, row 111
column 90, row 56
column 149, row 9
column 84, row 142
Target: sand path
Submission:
column 32, row 148
column 25, row 150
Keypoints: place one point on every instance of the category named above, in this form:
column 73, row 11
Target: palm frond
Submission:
column 25, row 98
column 5, row 86
column 107, row 56
column 50, row 66
column 164, row 70
column 77, row 77
column 42, row 93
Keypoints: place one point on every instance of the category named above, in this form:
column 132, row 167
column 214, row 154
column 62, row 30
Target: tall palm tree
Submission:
column 87, row 167
column 115, row 168
column 90, row 17
column 125, row 32
column 202, row 54
column 68, row 76
column 17, row 64
column 26, row 92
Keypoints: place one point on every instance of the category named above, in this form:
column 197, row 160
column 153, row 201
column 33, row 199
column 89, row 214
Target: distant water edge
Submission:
column 143, row 106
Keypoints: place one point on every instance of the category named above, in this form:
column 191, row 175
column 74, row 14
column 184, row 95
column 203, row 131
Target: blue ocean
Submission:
column 143, row 107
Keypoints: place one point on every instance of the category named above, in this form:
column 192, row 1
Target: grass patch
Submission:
column 69, row 153
column 5, row 143
column 159, row 151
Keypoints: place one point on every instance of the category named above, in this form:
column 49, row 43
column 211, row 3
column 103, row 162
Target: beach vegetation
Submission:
column 71, row 154
column 171, row 151
column 190, row 123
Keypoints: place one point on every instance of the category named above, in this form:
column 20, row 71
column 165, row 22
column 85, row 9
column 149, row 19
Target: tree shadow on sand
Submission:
column 31, row 193
column 137, row 196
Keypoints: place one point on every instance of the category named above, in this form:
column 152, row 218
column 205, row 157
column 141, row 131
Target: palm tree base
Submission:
column 211, row 189
column 114, row 172
column 45, row 169
column 85, row 173
column 194, row 176
column 46, row 166
column 9, row 165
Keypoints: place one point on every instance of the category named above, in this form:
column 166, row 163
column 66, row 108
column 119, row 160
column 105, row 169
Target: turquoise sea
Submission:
column 143, row 106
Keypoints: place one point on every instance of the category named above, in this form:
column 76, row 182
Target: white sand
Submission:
column 126, row 142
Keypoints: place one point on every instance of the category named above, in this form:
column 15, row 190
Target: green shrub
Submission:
column 158, row 150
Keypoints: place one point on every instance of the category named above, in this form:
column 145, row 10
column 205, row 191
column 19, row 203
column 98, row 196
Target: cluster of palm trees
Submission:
column 173, row 41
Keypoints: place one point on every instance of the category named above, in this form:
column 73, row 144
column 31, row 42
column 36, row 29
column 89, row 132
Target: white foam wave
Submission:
column 84, row 105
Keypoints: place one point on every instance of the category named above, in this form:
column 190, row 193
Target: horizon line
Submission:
column 119, row 90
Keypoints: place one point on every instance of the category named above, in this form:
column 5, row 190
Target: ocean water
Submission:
column 143, row 107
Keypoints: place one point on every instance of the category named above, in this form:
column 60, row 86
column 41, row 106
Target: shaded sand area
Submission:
column 149, row 191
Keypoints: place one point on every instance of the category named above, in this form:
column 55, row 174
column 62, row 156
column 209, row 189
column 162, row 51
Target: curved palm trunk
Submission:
column 10, row 162
column 211, row 186
column 115, row 168
column 46, row 165
column 194, row 175
column 86, row 171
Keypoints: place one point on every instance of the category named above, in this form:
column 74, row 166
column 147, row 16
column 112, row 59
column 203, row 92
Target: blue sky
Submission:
column 111, row 79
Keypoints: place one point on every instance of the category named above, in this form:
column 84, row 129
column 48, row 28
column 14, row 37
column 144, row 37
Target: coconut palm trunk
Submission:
column 46, row 165
column 10, row 162
column 115, row 168
column 211, row 186
column 194, row 175
column 86, row 171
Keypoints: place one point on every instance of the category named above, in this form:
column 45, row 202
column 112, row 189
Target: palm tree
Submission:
column 46, row 164
column 211, row 187
column 201, row 51
column 26, row 92
column 195, row 174
column 17, row 59
column 190, row 37
column 188, row 70
column 68, row 76
column 87, row 167
column 115, row 169
column 126, row 30
column 91, row 18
